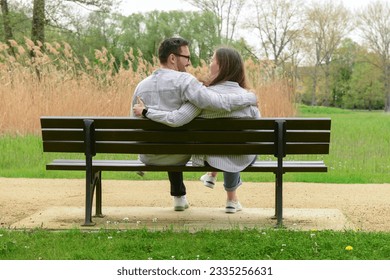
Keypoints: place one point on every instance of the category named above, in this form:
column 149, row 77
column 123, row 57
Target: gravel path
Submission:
column 366, row 206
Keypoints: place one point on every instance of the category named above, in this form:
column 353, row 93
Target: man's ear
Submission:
column 172, row 58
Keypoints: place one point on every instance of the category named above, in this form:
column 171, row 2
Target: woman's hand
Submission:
column 139, row 107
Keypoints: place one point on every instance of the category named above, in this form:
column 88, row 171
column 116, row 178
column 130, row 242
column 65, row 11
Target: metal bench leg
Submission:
column 98, row 183
column 89, row 141
column 279, row 200
column 280, row 130
column 89, row 190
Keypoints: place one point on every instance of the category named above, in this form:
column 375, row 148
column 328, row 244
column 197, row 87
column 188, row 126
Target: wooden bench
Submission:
column 120, row 135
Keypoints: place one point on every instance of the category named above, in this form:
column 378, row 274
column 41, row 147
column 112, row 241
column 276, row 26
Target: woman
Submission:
column 227, row 74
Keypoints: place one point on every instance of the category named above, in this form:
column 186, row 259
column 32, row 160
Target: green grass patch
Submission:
column 249, row 244
column 360, row 145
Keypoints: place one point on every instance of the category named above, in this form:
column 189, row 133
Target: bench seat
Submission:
column 136, row 165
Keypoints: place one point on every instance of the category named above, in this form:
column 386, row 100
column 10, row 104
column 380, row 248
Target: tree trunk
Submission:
column 38, row 22
column 8, row 35
column 387, row 87
column 314, row 87
column 387, row 105
column 38, row 29
column 327, row 85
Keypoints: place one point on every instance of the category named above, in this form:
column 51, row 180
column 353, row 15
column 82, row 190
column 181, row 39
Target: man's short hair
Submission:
column 169, row 46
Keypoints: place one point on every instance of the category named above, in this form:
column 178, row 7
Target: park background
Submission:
column 303, row 58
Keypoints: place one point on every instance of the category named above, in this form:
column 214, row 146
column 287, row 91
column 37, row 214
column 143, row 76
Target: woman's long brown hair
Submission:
column 231, row 67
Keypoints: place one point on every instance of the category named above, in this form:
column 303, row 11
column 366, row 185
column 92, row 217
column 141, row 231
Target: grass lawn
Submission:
column 235, row 244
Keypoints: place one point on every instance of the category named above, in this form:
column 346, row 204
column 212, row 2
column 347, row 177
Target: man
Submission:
column 167, row 89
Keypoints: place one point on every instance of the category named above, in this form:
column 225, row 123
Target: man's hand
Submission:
column 139, row 107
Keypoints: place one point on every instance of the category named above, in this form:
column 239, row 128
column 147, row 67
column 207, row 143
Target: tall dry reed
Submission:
column 56, row 82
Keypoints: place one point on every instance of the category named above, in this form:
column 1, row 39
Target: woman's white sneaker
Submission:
column 232, row 206
column 208, row 181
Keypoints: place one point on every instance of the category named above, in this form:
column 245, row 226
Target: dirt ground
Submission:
column 366, row 207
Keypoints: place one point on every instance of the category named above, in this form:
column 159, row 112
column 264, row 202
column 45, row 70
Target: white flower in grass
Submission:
column 109, row 237
column 126, row 219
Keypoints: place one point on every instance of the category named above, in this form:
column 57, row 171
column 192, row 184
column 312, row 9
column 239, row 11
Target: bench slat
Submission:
column 308, row 123
column 207, row 124
column 308, row 136
column 190, row 148
column 156, row 136
column 137, row 123
column 184, row 136
column 136, row 165
column 158, row 148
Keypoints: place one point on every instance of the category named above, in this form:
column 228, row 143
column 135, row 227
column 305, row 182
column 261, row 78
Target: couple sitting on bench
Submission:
column 173, row 97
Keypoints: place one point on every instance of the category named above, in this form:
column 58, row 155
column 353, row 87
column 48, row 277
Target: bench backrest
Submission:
column 201, row 136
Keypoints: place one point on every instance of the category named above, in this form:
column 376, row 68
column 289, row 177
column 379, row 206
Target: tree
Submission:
column 61, row 15
column 374, row 22
column 342, row 67
column 18, row 18
column 227, row 11
column 355, row 81
column 278, row 25
column 366, row 90
column 8, row 34
column 6, row 21
column 144, row 32
column 38, row 22
column 202, row 31
column 326, row 25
